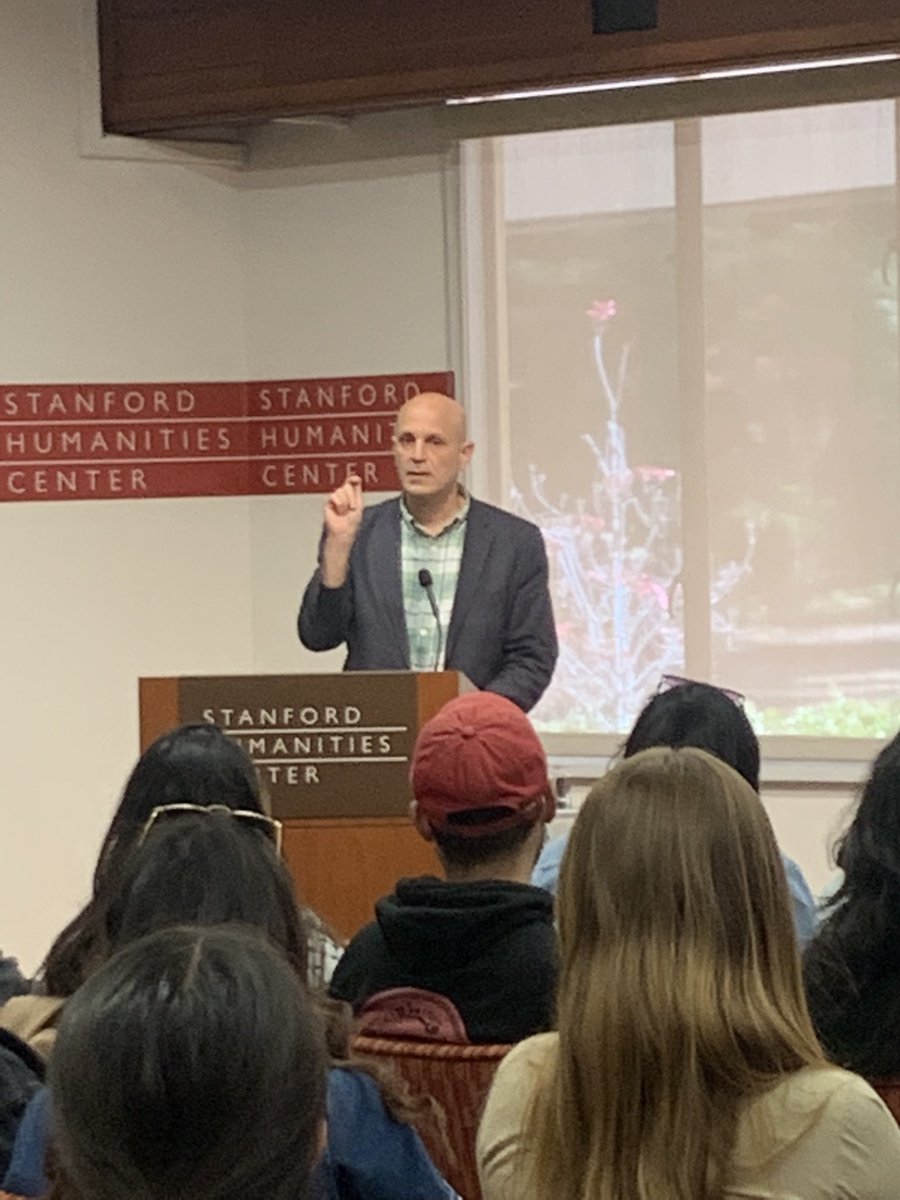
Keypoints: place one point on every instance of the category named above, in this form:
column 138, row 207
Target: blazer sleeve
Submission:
column 326, row 614
column 530, row 647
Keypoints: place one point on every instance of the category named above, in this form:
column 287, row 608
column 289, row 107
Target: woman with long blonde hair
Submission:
column 685, row 1066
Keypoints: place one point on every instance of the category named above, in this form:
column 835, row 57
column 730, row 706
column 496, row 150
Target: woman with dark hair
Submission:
column 191, row 1064
column 852, row 966
column 687, row 713
column 204, row 866
column 686, row 1066
column 210, row 867
column 194, row 765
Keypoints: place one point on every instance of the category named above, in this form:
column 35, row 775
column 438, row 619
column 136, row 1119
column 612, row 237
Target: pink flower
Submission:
column 655, row 474
column 602, row 311
column 645, row 586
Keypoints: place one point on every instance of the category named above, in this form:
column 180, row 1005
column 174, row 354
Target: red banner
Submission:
column 146, row 441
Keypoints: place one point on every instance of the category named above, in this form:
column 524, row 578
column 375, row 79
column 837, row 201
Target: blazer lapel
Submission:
column 479, row 537
column 384, row 548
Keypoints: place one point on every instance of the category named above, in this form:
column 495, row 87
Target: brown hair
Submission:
column 680, row 990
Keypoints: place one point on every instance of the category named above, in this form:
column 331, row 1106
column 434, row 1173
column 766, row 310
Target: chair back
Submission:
column 456, row 1079
column 412, row 1014
column 889, row 1091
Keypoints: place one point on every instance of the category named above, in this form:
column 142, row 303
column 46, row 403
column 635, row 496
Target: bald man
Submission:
column 434, row 578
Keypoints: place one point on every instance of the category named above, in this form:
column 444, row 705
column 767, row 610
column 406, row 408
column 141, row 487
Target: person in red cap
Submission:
column 482, row 938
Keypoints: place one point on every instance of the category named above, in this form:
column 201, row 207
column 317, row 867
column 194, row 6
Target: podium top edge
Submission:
column 281, row 675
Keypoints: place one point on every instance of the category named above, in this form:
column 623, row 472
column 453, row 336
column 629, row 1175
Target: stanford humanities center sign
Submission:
column 323, row 745
column 147, row 441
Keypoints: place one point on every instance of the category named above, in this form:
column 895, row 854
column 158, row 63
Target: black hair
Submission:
column 852, row 966
column 212, row 869
column 190, row 1065
column 194, row 764
column 463, row 853
column 699, row 715
column 205, row 869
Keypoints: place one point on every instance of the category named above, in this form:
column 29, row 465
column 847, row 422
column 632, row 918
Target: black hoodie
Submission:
column 488, row 946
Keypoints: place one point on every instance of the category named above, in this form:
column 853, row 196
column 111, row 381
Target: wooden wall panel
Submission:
column 177, row 63
column 341, row 868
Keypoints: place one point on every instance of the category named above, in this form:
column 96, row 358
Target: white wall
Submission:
column 807, row 823
column 119, row 271
column 112, row 271
column 344, row 273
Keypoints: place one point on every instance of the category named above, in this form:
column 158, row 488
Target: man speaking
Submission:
column 434, row 578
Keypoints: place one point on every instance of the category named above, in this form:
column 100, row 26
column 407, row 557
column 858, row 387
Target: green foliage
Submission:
column 841, row 716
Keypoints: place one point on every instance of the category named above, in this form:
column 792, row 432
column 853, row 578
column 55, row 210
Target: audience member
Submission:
column 852, row 967
column 686, row 1064
column 711, row 719
column 483, row 938
column 193, row 764
column 21, row 1070
column 212, row 867
column 190, row 1065
column 21, row 1075
column 12, row 981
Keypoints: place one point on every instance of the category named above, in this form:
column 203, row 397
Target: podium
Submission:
column 332, row 752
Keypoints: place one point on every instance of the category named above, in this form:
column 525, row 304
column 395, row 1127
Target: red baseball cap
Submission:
column 480, row 754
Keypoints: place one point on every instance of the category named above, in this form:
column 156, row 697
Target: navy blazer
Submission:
column 501, row 632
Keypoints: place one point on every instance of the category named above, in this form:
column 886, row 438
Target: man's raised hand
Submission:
column 343, row 514
column 344, row 510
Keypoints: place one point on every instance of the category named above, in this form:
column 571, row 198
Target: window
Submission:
column 684, row 341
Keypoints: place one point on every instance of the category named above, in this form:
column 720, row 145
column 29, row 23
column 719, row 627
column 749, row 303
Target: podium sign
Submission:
column 324, row 745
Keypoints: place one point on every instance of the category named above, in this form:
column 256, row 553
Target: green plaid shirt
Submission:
column 441, row 554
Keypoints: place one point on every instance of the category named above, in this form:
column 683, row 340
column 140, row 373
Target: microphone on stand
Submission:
column 428, row 584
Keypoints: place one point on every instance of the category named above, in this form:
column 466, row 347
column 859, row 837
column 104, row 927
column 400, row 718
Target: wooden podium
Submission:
column 332, row 753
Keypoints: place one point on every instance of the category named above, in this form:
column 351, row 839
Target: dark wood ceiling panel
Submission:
column 177, row 63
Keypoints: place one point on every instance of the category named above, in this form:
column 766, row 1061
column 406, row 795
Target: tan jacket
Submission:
column 34, row 1019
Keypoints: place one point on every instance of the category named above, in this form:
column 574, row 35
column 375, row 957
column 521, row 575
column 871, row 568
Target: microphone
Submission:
column 427, row 583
